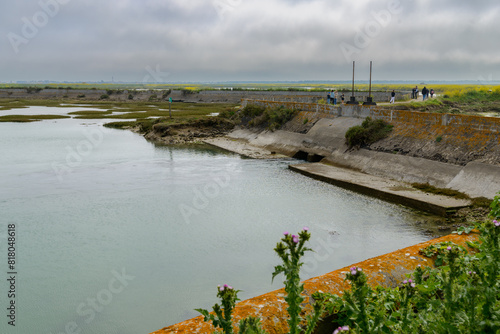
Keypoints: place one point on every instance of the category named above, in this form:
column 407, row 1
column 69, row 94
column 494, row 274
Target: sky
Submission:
column 155, row 41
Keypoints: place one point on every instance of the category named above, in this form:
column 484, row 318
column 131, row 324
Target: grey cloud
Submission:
column 247, row 40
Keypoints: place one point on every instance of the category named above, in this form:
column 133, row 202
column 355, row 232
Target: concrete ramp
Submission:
column 477, row 179
column 383, row 188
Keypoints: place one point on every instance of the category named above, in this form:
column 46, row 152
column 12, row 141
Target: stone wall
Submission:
column 206, row 96
column 450, row 138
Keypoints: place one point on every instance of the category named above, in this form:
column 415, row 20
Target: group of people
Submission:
column 333, row 96
column 425, row 93
column 414, row 94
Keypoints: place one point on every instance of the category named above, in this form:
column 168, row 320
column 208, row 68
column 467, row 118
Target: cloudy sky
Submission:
column 248, row 40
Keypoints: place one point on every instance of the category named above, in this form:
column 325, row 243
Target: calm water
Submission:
column 117, row 235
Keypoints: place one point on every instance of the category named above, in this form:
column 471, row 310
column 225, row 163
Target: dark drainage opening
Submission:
column 301, row 155
column 310, row 157
column 314, row 158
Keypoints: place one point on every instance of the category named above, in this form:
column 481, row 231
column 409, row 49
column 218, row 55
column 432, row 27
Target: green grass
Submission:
column 367, row 133
column 270, row 118
column 90, row 113
column 465, row 101
column 29, row 118
column 11, row 104
column 426, row 103
column 121, row 125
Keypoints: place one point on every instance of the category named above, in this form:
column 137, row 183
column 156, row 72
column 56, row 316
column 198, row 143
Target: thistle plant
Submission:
column 495, row 207
column 406, row 307
column 223, row 316
column 450, row 275
column 251, row 325
column 490, row 258
column 291, row 249
column 472, row 298
column 357, row 303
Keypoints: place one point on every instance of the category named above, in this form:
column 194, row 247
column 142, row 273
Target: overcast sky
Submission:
column 248, row 40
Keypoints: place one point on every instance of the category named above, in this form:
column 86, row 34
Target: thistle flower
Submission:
column 497, row 223
column 341, row 329
column 306, row 228
column 286, row 233
column 449, row 248
column 295, row 239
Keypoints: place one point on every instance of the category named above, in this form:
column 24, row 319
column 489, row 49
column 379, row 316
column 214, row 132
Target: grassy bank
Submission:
column 29, row 118
column 483, row 102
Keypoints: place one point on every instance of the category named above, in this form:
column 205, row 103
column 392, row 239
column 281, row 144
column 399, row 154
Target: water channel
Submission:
column 118, row 235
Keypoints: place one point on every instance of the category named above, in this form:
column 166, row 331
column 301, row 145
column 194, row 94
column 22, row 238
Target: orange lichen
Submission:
column 387, row 270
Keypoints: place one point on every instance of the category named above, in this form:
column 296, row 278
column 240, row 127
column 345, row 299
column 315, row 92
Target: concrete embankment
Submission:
column 471, row 140
column 355, row 177
column 387, row 270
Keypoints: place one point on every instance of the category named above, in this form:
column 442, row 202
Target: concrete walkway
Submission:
column 385, row 189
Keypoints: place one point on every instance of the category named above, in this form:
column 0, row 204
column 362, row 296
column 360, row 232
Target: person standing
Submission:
column 425, row 91
column 335, row 97
column 432, row 93
column 393, row 97
column 416, row 92
column 413, row 93
column 328, row 97
column 342, row 98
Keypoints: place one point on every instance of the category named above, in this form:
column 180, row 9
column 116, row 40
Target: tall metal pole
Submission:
column 369, row 99
column 370, row 89
column 353, row 98
column 353, row 66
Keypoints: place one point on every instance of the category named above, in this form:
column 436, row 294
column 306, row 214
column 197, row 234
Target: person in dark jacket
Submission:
column 425, row 93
